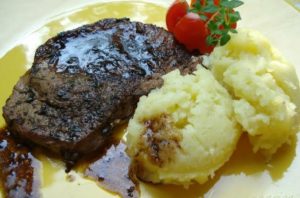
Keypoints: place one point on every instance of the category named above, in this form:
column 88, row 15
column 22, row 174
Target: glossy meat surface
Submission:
column 85, row 82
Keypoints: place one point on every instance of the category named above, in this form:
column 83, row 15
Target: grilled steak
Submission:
column 86, row 81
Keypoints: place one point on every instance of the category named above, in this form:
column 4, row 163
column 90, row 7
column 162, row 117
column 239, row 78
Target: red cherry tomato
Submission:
column 204, row 48
column 177, row 10
column 188, row 28
column 191, row 31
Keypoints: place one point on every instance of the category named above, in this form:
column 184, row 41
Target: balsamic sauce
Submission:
column 113, row 173
column 19, row 169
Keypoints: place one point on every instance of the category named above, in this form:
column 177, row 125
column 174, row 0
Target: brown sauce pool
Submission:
column 112, row 171
column 20, row 169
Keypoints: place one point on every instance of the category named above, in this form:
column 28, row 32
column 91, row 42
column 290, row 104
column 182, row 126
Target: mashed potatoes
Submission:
column 184, row 131
column 265, row 88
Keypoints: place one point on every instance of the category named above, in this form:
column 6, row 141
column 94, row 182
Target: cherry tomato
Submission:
column 191, row 31
column 188, row 27
column 204, row 48
column 177, row 10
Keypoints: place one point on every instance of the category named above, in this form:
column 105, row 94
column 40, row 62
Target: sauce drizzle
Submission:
column 19, row 168
column 112, row 171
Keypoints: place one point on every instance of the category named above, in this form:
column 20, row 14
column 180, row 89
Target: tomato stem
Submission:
column 226, row 17
column 211, row 18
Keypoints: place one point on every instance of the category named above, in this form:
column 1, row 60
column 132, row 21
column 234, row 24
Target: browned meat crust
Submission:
column 86, row 81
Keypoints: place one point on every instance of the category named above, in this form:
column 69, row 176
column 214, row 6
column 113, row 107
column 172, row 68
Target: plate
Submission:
column 246, row 174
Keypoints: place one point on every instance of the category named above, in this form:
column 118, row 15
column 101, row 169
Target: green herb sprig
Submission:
column 222, row 20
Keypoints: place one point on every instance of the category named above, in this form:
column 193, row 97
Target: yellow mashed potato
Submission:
column 184, row 131
column 264, row 86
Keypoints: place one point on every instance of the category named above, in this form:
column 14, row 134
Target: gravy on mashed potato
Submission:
column 184, row 131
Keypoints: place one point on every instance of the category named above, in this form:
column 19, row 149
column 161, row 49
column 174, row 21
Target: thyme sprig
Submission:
column 220, row 19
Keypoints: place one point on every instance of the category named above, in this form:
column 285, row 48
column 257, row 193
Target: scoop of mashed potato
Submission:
column 184, row 131
column 265, row 88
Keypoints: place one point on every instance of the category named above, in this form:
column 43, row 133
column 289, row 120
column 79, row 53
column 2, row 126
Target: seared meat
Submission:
column 86, row 81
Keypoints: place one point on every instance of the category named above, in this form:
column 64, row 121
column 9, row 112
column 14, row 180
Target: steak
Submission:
column 85, row 82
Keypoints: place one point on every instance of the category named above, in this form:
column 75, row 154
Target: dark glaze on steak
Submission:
column 86, row 81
